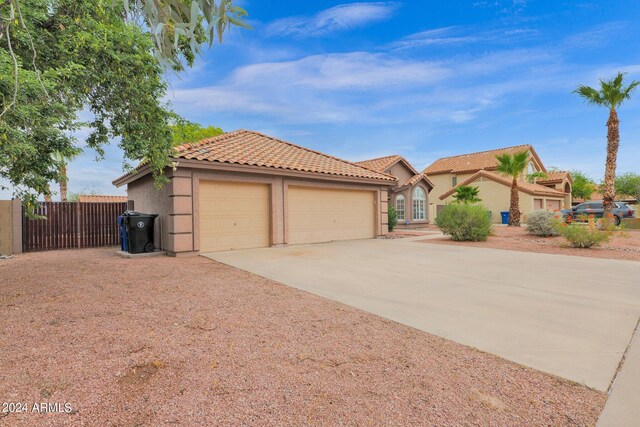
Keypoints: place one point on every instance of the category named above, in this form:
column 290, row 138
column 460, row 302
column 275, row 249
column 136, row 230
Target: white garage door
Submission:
column 233, row 216
column 322, row 215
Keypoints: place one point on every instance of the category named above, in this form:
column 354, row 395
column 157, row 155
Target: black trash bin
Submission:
column 139, row 231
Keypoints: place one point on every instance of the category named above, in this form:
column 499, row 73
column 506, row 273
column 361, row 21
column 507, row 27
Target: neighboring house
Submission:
column 243, row 189
column 479, row 170
column 410, row 196
column 94, row 198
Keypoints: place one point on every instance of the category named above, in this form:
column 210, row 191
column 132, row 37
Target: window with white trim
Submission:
column 419, row 204
column 400, row 207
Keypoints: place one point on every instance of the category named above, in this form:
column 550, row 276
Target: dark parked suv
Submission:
column 586, row 209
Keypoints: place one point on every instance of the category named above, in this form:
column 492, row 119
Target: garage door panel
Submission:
column 233, row 216
column 321, row 215
column 553, row 205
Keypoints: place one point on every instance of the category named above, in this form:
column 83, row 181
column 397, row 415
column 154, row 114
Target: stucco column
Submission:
column 17, row 225
column 180, row 219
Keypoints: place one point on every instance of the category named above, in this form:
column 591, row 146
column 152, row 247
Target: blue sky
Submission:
column 424, row 79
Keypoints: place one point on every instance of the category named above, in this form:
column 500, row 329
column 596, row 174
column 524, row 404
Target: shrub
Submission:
column 464, row 222
column 393, row 217
column 541, row 223
column 581, row 235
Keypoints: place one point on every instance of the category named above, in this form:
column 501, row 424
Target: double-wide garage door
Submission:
column 238, row 215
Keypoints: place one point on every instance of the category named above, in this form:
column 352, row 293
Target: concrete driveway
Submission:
column 569, row 316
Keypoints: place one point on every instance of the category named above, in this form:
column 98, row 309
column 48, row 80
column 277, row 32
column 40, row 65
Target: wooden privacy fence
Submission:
column 69, row 225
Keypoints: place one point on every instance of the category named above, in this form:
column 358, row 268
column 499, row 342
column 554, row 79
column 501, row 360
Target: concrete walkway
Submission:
column 623, row 406
column 569, row 316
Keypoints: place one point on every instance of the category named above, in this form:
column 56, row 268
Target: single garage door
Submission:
column 553, row 205
column 233, row 216
column 322, row 215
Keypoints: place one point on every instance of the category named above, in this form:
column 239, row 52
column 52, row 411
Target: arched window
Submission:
column 400, row 207
column 419, row 204
column 532, row 168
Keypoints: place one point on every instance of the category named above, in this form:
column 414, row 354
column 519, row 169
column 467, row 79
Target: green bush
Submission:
column 582, row 235
column 541, row 223
column 464, row 222
column 393, row 217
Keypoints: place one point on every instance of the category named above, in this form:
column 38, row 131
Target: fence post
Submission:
column 78, row 215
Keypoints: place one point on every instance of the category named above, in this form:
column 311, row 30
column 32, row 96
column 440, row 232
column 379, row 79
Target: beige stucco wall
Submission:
column 10, row 227
column 497, row 197
column 6, row 227
column 400, row 171
column 149, row 199
column 178, row 203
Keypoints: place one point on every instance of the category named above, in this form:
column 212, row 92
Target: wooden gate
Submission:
column 67, row 225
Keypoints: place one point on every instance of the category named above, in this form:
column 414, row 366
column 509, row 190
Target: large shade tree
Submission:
column 183, row 131
column 628, row 184
column 583, row 186
column 513, row 166
column 63, row 58
column 611, row 95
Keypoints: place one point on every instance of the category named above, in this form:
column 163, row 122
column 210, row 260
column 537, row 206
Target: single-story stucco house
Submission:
column 243, row 189
column 479, row 170
column 410, row 196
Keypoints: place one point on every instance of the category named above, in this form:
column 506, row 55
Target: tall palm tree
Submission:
column 62, row 171
column 467, row 194
column 513, row 166
column 611, row 95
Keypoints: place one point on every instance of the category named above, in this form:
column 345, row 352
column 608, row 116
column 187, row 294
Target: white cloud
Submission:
column 457, row 36
column 355, row 70
column 338, row 18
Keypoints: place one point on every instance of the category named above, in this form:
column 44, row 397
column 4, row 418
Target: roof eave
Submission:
column 237, row 167
column 135, row 174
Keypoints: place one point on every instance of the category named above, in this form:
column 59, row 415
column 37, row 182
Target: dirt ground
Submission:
column 624, row 245
column 188, row 341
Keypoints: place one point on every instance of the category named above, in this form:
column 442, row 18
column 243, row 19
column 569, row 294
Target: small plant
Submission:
column 542, row 223
column 465, row 222
column 467, row 194
column 392, row 215
column 583, row 235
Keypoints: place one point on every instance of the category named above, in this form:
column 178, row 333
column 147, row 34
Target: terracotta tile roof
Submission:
column 381, row 164
column 246, row 147
column 555, row 177
column 475, row 161
column 100, row 199
column 525, row 187
column 415, row 179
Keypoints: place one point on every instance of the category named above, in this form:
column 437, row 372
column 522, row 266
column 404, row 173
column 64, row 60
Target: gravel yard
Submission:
column 188, row 341
column 624, row 245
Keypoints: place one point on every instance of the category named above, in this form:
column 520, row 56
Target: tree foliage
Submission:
column 583, row 186
column 184, row 131
column 628, row 184
column 70, row 56
column 178, row 27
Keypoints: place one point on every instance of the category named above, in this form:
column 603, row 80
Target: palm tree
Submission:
column 62, row 172
column 611, row 95
column 467, row 194
column 532, row 177
column 513, row 166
